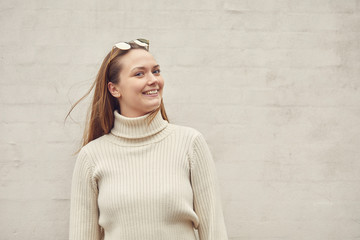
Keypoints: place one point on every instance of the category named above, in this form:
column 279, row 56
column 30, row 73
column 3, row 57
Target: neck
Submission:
column 137, row 127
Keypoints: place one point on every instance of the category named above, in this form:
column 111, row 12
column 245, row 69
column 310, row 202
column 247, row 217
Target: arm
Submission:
column 206, row 194
column 84, row 209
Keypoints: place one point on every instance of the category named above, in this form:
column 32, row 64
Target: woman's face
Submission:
column 139, row 90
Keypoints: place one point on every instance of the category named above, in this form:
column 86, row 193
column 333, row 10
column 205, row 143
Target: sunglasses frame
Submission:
column 126, row 45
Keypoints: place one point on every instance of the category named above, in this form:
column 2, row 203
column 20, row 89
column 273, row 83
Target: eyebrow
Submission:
column 142, row 68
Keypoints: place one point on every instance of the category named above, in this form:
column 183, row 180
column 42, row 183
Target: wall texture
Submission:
column 274, row 86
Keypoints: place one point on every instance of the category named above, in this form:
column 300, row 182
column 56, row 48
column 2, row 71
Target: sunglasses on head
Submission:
column 126, row 45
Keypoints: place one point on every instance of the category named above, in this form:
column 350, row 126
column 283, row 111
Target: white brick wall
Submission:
column 274, row 85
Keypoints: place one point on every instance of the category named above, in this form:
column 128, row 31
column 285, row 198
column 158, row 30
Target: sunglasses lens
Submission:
column 142, row 43
column 123, row 46
column 126, row 46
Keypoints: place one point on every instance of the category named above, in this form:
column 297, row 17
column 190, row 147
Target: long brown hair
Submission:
column 100, row 117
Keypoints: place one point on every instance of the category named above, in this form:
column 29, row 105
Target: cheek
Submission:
column 161, row 82
column 131, row 88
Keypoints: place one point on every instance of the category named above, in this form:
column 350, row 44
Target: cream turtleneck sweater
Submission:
column 146, row 181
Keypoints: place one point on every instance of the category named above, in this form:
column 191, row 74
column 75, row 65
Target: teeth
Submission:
column 151, row 92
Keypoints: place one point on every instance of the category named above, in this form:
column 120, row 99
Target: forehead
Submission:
column 137, row 58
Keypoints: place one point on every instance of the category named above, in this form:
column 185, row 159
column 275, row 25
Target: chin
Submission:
column 153, row 108
column 155, row 103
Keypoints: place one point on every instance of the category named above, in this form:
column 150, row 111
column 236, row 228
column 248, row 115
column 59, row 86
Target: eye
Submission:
column 139, row 74
column 157, row 71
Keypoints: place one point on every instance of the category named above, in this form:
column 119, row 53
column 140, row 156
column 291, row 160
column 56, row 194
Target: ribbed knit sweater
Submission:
column 146, row 181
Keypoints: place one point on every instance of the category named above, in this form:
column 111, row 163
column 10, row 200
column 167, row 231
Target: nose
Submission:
column 152, row 79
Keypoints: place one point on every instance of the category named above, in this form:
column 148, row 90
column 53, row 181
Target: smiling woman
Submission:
column 137, row 176
column 140, row 89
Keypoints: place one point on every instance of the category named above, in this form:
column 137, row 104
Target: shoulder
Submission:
column 94, row 146
column 199, row 153
column 189, row 134
column 185, row 131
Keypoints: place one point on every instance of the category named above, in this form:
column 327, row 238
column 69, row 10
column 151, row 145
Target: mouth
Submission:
column 151, row 92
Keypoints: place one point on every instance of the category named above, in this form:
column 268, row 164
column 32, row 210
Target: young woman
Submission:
column 137, row 176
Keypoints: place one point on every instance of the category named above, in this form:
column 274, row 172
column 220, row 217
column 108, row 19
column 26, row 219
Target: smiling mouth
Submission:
column 151, row 92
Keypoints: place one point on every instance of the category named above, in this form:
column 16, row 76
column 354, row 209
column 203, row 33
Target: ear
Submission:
column 114, row 90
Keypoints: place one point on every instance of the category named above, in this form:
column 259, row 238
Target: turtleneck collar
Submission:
column 138, row 127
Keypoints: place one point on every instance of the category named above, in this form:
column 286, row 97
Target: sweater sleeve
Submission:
column 207, row 203
column 84, row 213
